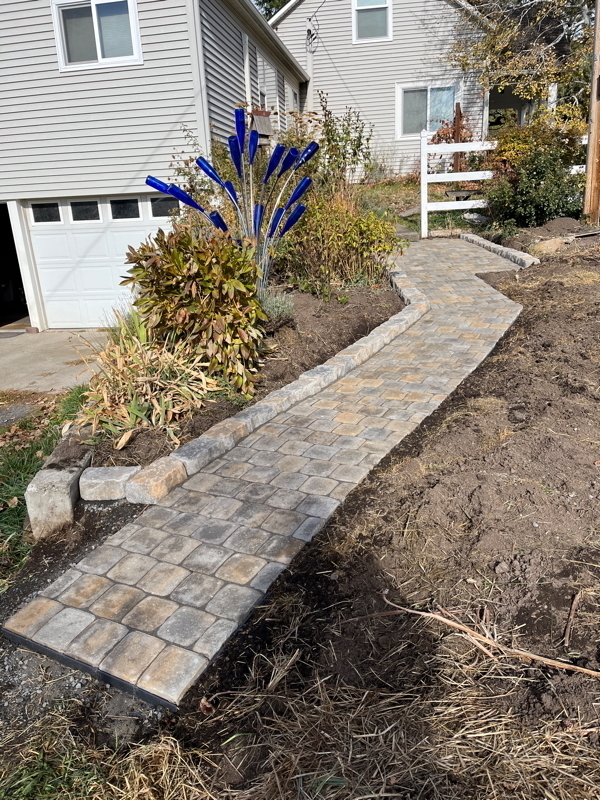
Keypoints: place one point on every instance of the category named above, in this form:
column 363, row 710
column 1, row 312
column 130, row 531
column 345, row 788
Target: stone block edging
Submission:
column 150, row 485
column 516, row 256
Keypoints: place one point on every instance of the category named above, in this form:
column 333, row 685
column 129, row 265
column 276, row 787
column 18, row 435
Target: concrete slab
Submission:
column 45, row 362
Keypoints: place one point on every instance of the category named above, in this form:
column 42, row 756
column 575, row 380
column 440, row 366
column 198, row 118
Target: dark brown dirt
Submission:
column 317, row 332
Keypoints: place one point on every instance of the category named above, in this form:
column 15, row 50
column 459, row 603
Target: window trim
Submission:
column 437, row 84
column 390, row 23
column 102, row 63
column 73, row 221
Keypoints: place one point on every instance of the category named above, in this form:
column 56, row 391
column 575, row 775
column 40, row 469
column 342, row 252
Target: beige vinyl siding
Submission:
column 96, row 131
column 223, row 64
column 364, row 75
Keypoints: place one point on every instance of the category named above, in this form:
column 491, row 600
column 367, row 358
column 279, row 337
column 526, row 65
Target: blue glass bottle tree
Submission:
column 263, row 216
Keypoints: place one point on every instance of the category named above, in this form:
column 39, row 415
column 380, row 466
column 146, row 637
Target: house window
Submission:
column 424, row 108
column 97, row 33
column 45, row 212
column 372, row 19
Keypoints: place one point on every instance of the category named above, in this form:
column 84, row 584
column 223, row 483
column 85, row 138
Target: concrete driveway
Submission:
column 45, row 362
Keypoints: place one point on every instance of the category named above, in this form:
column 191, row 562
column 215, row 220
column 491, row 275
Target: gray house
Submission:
column 385, row 58
column 93, row 96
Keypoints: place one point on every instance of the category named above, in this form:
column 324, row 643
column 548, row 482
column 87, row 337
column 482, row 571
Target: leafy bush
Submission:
column 143, row 381
column 532, row 183
column 202, row 291
column 337, row 244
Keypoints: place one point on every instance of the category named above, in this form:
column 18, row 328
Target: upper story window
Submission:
column 96, row 33
column 372, row 20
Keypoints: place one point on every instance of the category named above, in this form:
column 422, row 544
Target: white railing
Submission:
column 447, row 177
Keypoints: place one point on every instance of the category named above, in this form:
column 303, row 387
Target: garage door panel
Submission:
column 52, row 247
column 91, row 245
column 95, row 278
column 123, row 240
column 58, row 280
column 65, row 313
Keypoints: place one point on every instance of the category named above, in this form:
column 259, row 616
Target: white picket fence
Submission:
column 448, row 177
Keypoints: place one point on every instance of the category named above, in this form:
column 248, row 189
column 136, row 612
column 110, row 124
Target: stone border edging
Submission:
column 516, row 256
column 157, row 479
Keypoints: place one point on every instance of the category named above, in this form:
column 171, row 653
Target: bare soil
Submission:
column 488, row 514
column 317, row 332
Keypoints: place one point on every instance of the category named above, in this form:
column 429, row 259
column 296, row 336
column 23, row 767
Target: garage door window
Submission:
column 46, row 212
column 163, row 207
column 125, row 209
column 85, row 210
column 96, row 33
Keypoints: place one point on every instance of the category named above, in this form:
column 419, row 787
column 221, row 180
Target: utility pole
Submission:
column 591, row 205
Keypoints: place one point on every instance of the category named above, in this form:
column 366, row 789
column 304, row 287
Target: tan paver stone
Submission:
column 348, row 430
column 162, row 579
column 33, row 616
column 174, row 549
column 316, row 485
column 116, row 602
column 84, row 591
column 196, row 590
column 240, row 568
column 97, row 641
column 150, row 613
column 350, row 419
column 172, row 673
column 185, row 626
column 131, row 568
column 155, row 480
column 215, row 637
column 130, row 657
column 201, row 482
column 59, row 631
column 233, row 602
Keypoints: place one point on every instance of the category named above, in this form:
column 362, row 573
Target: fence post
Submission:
column 424, row 192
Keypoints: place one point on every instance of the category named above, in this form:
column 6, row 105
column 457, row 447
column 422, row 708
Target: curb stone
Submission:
column 519, row 258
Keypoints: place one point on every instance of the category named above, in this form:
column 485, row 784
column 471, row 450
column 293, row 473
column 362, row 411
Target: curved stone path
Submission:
column 151, row 607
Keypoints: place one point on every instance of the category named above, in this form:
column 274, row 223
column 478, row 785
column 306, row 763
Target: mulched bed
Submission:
column 318, row 331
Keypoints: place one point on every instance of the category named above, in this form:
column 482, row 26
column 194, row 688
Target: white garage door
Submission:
column 79, row 247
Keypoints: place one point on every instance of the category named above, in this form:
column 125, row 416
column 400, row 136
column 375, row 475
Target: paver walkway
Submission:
column 148, row 610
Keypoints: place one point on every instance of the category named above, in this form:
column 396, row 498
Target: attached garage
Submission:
column 78, row 248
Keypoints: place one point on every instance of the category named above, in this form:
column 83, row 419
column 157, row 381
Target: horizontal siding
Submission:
column 364, row 76
column 99, row 131
column 224, row 65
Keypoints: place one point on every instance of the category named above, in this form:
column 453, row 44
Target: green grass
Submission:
column 19, row 461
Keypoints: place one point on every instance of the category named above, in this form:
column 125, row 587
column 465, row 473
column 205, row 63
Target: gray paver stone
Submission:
column 186, row 626
column 320, row 486
column 281, row 548
column 183, row 524
column 102, row 559
column 316, row 506
column 240, row 568
column 285, row 498
column 288, row 480
column 97, row 641
column 150, row 613
column 206, row 558
column 105, row 483
column 214, row 531
column 266, row 576
column 116, row 602
column 309, row 528
column 199, row 452
column 196, row 590
column 174, row 549
column 246, row 540
column 131, row 568
column 144, row 540
column 251, row 514
column 283, row 522
column 59, row 631
column 121, row 535
column 215, row 637
column 33, row 616
column 61, row 583
column 156, row 517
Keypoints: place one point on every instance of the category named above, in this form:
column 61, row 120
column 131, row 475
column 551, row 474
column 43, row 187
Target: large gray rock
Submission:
column 105, row 483
column 51, row 498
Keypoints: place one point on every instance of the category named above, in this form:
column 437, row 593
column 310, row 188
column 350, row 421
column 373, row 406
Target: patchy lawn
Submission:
column 487, row 515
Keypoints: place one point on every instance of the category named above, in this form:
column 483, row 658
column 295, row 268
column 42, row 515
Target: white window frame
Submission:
column 390, row 22
column 61, row 212
column 101, row 63
column 85, row 221
column 402, row 87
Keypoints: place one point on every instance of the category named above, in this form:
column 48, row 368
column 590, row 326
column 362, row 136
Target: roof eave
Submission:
column 283, row 11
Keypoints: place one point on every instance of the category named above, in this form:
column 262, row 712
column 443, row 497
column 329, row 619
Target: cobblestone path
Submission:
column 151, row 607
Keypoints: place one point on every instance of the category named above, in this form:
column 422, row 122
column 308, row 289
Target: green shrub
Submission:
column 277, row 305
column 336, row 244
column 202, row 291
column 532, row 183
